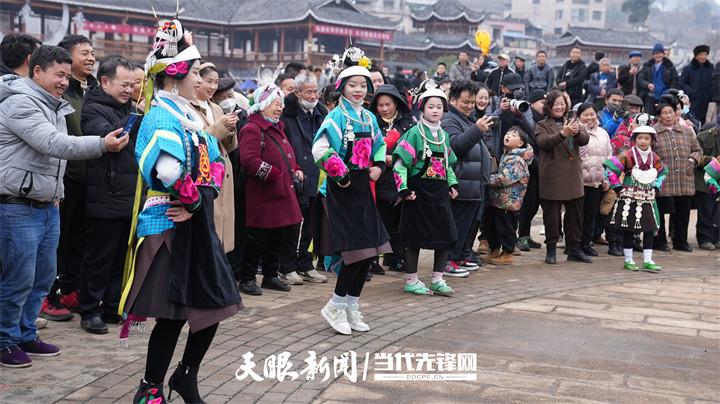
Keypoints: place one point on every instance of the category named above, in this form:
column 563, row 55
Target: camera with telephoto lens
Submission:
column 517, row 100
column 520, row 105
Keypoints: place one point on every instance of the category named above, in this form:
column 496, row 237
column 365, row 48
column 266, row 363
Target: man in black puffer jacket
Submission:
column 110, row 195
column 472, row 168
column 302, row 117
column 572, row 75
column 649, row 87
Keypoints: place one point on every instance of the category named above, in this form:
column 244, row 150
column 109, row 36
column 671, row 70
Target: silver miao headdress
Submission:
column 166, row 40
column 352, row 56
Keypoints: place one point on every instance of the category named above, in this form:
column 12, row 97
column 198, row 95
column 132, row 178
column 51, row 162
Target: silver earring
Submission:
column 174, row 90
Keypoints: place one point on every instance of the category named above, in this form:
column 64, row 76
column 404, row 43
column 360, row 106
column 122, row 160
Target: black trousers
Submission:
column 628, row 240
column 706, row 205
column 275, row 247
column 679, row 209
column 501, row 228
column 351, row 278
column 572, row 223
column 464, row 213
column 304, row 261
column 390, row 216
column 530, row 206
column 73, row 239
column 101, row 277
column 591, row 212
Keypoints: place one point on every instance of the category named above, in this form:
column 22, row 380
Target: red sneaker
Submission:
column 71, row 301
column 53, row 310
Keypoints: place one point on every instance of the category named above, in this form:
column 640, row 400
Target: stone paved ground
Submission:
column 568, row 332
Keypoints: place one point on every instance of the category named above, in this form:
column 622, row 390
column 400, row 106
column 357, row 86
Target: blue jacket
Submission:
column 594, row 88
column 608, row 122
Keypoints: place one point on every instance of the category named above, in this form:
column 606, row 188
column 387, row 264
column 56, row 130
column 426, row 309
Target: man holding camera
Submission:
column 614, row 113
column 512, row 109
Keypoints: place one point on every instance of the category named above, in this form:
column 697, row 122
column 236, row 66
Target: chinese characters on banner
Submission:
column 386, row 366
column 119, row 28
column 352, row 32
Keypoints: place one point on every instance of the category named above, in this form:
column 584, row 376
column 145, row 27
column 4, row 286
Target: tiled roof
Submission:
column 247, row 12
column 606, row 38
column 422, row 41
column 447, row 10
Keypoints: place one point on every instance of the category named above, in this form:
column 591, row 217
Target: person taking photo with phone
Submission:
column 561, row 184
column 111, row 181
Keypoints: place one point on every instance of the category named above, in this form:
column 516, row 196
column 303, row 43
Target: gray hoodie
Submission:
column 34, row 143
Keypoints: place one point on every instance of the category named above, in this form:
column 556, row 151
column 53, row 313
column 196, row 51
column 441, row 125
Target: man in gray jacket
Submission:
column 540, row 76
column 33, row 148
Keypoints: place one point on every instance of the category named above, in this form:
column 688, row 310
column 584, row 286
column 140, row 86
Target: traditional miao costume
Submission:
column 712, row 179
column 635, row 208
column 178, row 272
column 422, row 162
column 346, row 145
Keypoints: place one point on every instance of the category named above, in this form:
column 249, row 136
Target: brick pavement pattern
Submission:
column 569, row 332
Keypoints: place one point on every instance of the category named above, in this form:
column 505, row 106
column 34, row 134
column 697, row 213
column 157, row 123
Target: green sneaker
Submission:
column 418, row 288
column 651, row 267
column 441, row 288
column 631, row 266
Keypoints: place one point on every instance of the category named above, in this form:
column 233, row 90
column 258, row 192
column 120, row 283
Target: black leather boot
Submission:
column 615, row 250
column 184, row 381
column 589, row 251
column 550, row 257
column 149, row 392
column 575, row 253
column 250, row 288
column 272, row 282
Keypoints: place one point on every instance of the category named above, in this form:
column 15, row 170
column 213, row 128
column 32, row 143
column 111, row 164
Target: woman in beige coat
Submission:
column 221, row 127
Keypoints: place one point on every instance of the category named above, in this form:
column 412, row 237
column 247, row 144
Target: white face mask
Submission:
column 228, row 105
column 308, row 105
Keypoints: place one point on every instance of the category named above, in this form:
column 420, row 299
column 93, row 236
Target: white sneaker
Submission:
column 336, row 316
column 561, row 243
column 291, row 278
column 313, row 276
column 355, row 318
column 542, row 231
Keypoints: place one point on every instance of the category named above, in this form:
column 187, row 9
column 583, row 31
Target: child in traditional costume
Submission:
column 422, row 162
column 179, row 272
column 350, row 150
column 635, row 208
column 712, row 179
column 507, row 190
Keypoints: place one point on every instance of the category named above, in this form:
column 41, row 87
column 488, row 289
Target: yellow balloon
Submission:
column 483, row 40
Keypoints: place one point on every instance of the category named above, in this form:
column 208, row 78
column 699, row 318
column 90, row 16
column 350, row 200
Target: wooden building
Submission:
column 615, row 44
column 445, row 27
column 234, row 34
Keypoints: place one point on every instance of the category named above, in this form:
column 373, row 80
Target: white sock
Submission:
column 351, row 299
column 337, row 299
column 437, row 276
column 412, row 278
column 628, row 255
column 647, row 255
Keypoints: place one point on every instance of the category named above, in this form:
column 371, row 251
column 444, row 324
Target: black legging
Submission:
column 629, row 240
column 161, row 347
column 351, row 278
column 412, row 255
